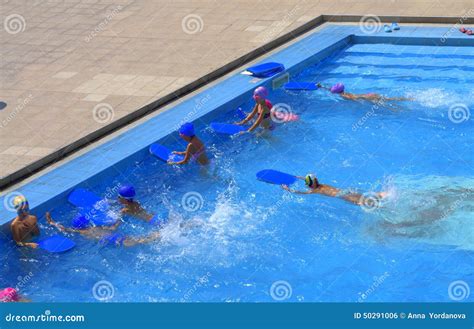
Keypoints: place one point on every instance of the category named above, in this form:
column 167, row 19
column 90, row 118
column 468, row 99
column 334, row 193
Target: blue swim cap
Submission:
column 80, row 222
column 127, row 192
column 187, row 129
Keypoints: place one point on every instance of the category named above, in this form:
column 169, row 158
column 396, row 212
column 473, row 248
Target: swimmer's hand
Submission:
column 171, row 163
column 32, row 245
column 319, row 85
column 244, row 132
column 285, row 187
column 178, row 152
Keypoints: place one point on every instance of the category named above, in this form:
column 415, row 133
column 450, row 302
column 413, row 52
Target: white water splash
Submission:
column 432, row 209
column 432, row 97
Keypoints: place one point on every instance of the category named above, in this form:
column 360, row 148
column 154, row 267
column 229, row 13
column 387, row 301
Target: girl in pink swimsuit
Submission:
column 262, row 110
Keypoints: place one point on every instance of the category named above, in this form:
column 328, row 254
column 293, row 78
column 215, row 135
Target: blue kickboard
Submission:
column 276, row 177
column 227, row 128
column 164, row 154
column 92, row 205
column 300, row 86
column 56, row 244
column 83, row 198
column 266, row 70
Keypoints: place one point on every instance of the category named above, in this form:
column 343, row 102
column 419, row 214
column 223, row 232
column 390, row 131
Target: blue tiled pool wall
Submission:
column 132, row 146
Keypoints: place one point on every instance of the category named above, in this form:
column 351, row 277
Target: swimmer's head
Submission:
column 21, row 205
column 338, row 88
column 187, row 130
column 80, row 222
column 9, row 295
column 260, row 93
column 127, row 192
column 311, row 181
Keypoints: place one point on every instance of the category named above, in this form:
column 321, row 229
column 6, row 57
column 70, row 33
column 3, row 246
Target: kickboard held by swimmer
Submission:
column 227, row 128
column 56, row 244
column 276, row 177
column 164, row 154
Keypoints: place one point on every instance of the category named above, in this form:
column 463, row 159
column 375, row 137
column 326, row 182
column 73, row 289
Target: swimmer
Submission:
column 104, row 234
column 10, row 294
column 316, row 188
column 130, row 205
column 25, row 226
column 195, row 149
column 262, row 110
column 338, row 88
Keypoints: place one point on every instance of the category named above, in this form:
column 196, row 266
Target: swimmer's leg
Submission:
column 130, row 242
column 360, row 199
column 355, row 198
column 209, row 171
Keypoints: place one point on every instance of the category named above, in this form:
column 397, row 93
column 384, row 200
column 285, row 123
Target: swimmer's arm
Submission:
column 287, row 188
column 187, row 157
column 322, row 86
column 257, row 122
column 349, row 96
column 179, row 152
column 60, row 227
column 113, row 227
column 249, row 117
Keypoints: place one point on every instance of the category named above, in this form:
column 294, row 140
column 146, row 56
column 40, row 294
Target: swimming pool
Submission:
column 237, row 239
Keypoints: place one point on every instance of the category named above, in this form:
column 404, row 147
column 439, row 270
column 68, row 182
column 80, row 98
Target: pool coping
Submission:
column 53, row 186
column 25, row 172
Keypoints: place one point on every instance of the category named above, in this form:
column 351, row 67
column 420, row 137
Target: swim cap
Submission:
column 80, row 222
column 9, row 295
column 21, row 204
column 338, row 88
column 310, row 180
column 260, row 92
column 127, row 192
column 187, row 129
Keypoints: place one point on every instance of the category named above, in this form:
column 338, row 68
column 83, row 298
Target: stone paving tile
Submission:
column 61, row 59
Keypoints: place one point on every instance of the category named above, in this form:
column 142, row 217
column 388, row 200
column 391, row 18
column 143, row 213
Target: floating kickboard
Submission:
column 83, row 198
column 227, row 128
column 276, row 177
column 266, row 70
column 164, row 154
column 300, row 86
column 56, row 244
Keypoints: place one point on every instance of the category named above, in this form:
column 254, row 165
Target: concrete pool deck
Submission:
column 72, row 68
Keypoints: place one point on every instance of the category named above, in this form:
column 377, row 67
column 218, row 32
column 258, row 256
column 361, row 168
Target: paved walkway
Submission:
column 70, row 67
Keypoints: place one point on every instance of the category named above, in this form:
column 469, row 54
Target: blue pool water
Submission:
column 247, row 235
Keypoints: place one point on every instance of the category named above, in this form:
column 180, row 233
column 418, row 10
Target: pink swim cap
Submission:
column 9, row 295
column 260, row 92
